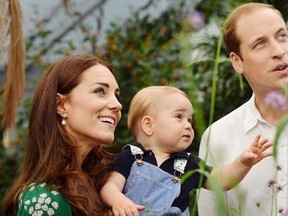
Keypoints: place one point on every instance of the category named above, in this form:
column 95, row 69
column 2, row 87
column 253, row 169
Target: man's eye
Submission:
column 283, row 36
column 260, row 44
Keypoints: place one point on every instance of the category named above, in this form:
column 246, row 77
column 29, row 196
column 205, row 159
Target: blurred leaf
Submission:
column 282, row 124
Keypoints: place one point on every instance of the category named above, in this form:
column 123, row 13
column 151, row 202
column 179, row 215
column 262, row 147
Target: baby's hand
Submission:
column 256, row 152
column 125, row 207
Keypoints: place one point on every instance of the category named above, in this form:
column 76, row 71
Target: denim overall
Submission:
column 154, row 188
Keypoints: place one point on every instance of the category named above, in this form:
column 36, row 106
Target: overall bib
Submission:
column 154, row 188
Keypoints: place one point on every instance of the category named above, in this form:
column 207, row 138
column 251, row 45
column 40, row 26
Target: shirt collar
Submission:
column 251, row 115
column 174, row 155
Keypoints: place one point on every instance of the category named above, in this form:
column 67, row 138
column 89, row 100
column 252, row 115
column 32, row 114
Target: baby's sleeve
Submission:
column 124, row 161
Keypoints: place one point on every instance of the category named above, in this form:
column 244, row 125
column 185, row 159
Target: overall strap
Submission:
column 138, row 154
column 179, row 167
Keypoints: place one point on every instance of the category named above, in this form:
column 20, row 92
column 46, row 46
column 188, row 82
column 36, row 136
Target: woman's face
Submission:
column 92, row 108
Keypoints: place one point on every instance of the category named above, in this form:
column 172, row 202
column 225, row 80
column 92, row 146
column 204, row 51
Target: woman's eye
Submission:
column 118, row 97
column 179, row 116
column 99, row 91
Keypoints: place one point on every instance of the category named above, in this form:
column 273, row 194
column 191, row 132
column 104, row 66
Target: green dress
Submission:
column 38, row 200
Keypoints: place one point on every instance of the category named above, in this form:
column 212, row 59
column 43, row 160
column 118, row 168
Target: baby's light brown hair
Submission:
column 145, row 103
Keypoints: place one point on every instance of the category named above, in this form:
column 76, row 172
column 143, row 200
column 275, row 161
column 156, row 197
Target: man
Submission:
column 257, row 42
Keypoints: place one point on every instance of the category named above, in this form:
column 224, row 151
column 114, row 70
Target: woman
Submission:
column 73, row 117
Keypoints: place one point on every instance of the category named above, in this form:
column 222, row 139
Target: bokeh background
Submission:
column 150, row 42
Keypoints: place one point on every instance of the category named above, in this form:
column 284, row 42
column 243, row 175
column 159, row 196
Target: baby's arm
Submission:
column 231, row 174
column 111, row 194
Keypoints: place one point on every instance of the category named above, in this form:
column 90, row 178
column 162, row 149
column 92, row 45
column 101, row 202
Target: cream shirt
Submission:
column 229, row 136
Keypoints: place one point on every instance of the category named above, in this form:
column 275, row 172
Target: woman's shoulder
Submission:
column 38, row 199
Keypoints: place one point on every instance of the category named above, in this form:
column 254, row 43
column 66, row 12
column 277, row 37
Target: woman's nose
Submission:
column 115, row 104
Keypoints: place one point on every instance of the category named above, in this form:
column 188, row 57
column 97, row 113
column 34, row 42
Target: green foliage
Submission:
column 144, row 53
column 150, row 51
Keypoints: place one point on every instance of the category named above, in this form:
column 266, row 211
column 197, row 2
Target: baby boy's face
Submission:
column 173, row 122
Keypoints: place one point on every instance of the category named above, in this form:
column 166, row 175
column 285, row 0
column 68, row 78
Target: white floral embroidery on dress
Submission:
column 41, row 205
column 27, row 202
column 48, row 200
column 55, row 205
column 40, row 200
column 45, row 208
column 31, row 209
column 37, row 213
column 38, row 206
column 44, row 195
column 55, row 192
column 32, row 188
column 50, row 211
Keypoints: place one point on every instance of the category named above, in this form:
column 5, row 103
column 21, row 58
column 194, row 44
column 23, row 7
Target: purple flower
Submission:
column 285, row 212
column 277, row 99
column 196, row 19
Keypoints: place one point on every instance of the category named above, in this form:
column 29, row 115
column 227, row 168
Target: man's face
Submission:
column 264, row 50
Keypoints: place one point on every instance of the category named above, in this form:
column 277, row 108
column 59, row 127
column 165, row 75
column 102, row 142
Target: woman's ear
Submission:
column 236, row 61
column 147, row 125
column 60, row 103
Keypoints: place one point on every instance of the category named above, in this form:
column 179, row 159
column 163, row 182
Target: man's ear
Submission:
column 147, row 125
column 236, row 62
column 60, row 103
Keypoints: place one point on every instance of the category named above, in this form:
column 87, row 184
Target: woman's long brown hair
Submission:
column 50, row 152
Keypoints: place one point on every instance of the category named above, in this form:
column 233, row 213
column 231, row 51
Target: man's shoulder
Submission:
column 228, row 125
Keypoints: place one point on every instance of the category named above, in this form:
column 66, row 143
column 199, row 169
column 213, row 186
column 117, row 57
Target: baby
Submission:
column 147, row 176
